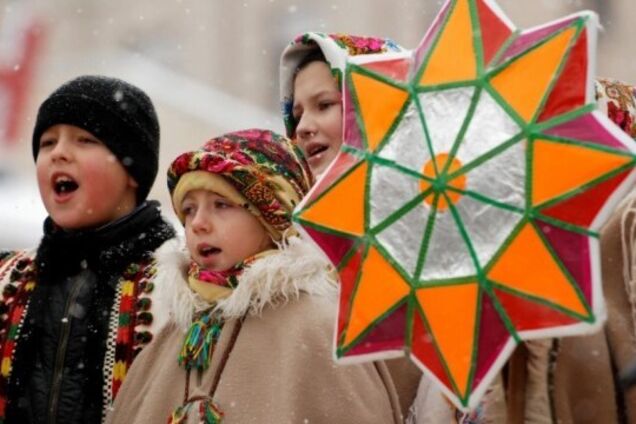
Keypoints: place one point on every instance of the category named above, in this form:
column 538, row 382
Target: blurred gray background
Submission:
column 210, row 65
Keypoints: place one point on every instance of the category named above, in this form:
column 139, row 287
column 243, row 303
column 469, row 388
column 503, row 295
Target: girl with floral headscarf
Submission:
column 252, row 305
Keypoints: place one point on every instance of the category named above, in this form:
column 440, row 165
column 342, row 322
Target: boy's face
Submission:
column 82, row 184
column 318, row 111
column 219, row 233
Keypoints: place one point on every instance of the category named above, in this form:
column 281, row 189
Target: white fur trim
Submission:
column 173, row 294
column 278, row 278
column 271, row 281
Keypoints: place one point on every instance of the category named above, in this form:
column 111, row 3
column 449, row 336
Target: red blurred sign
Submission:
column 20, row 38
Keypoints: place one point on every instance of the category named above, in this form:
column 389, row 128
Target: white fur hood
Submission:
column 297, row 267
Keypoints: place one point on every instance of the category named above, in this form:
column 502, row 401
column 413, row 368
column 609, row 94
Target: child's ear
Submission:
column 132, row 183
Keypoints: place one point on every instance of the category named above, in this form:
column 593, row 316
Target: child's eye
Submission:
column 328, row 103
column 297, row 114
column 47, row 142
column 88, row 140
column 187, row 210
column 223, row 204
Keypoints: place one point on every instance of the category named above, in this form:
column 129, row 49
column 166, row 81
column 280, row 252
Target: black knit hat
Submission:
column 117, row 113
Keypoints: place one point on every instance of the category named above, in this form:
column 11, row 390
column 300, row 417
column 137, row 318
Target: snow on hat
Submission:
column 258, row 169
column 336, row 48
column 119, row 114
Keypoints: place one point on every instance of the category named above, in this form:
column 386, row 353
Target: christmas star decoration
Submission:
column 463, row 211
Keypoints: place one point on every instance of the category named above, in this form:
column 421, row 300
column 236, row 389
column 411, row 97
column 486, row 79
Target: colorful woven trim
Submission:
column 130, row 318
column 15, row 301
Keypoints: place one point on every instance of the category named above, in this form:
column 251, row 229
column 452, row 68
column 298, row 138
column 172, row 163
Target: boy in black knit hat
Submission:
column 75, row 312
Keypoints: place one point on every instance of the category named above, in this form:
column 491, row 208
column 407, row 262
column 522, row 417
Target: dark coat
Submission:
column 68, row 345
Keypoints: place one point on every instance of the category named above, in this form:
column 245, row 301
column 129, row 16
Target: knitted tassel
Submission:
column 199, row 342
column 180, row 414
column 209, row 413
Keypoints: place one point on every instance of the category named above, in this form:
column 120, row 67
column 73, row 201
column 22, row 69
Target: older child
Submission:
column 311, row 75
column 311, row 80
column 76, row 311
column 253, row 304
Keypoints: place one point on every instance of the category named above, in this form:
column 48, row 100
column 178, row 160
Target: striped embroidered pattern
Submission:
column 133, row 317
column 15, row 301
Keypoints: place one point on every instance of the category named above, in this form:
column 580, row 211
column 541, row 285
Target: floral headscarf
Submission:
column 262, row 170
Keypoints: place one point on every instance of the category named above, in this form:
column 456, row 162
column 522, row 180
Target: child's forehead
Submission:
column 202, row 193
column 317, row 76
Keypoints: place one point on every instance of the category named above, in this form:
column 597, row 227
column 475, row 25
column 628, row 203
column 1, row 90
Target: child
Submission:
column 76, row 311
column 311, row 78
column 253, row 304
column 311, row 75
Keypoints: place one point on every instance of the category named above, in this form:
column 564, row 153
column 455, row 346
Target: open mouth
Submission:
column 207, row 251
column 63, row 184
column 316, row 149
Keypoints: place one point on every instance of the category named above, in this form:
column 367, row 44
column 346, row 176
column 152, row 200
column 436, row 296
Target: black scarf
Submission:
column 105, row 250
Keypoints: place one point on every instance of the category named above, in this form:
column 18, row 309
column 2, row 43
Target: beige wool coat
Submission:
column 280, row 368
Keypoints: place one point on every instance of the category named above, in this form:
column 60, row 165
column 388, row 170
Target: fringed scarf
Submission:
column 205, row 331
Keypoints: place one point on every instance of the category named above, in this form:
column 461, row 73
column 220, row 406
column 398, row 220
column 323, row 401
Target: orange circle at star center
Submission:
column 440, row 164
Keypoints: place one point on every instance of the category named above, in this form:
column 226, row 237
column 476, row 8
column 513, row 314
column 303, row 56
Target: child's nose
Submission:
column 306, row 126
column 61, row 150
column 200, row 223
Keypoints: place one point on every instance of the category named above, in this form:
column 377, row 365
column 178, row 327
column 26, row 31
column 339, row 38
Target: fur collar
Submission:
column 271, row 281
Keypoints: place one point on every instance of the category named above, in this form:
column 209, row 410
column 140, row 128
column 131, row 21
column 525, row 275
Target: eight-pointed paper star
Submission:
column 463, row 211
